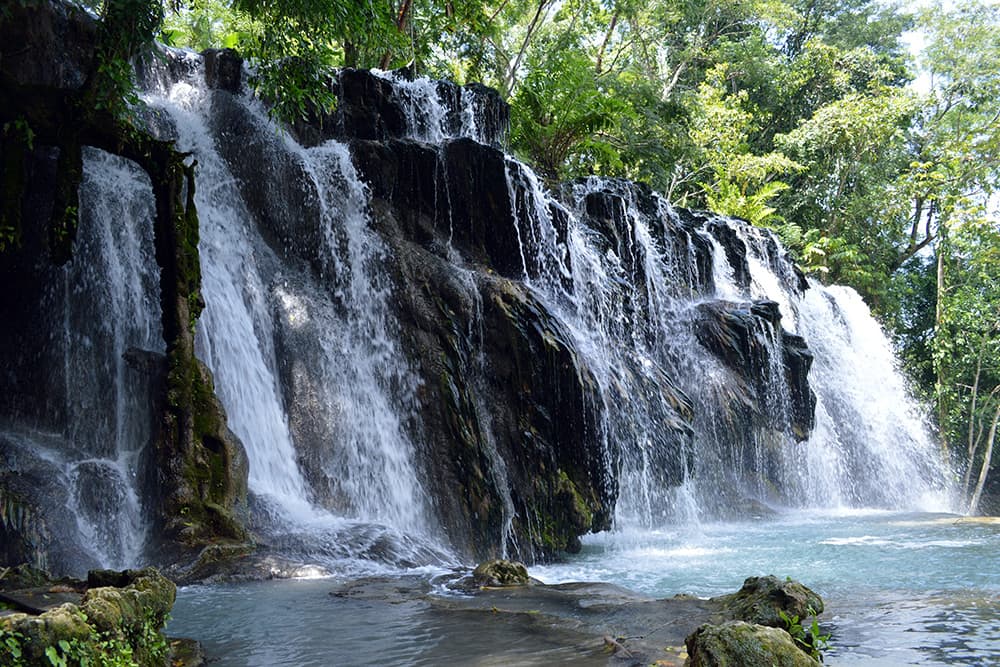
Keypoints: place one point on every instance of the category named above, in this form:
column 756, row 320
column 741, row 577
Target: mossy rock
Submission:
column 762, row 600
column 500, row 573
column 740, row 644
column 111, row 625
column 24, row 576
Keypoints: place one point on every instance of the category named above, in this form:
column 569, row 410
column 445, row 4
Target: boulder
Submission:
column 500, row 573
column 223, row 69
column 763, row 599
column 740, row 644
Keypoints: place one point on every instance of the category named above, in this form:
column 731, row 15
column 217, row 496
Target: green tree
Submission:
column 740, row 183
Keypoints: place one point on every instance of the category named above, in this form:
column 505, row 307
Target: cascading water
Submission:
column 633, row 304
column 306, row 365
column 112, row 276
column 872, row 434
column 685, row 324
column 236, row 332
column 82, row 458
column 691, row 428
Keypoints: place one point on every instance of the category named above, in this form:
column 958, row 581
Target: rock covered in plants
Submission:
column 118, row 620
column 501, row 573
column 763, row 600
column 741, row 644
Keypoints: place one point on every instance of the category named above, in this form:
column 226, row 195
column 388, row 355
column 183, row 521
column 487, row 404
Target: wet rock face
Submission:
column 457, row 196
column 747, row 337
column 372, row 107
column 736, row 252
column 798, row 360
column 507, row 410
column 607, row 210
column 62, row 38
column 223, row 69
column 272, row 180
column 367, row 108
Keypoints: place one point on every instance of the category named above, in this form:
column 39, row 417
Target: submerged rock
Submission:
column 741, row 644
column 762, row 600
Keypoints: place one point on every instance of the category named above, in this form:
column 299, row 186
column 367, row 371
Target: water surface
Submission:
column 900, row 589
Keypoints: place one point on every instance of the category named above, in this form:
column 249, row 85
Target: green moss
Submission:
column 580, row 514
column 15, row 142
column 66, row 202
column 112, row 627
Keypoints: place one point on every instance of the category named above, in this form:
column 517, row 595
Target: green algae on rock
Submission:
column 741, row 644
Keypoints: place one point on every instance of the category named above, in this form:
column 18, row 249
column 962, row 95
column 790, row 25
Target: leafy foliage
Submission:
column 96, row 650
column 807, row 637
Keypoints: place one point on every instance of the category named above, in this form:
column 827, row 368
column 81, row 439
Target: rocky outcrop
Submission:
column 374, row 107
column 762, row 600
column 50, row 88
column 510, row 415
column 514, row 445
column 748, row 338
column 115, row 616
column 739, row 643
column 500, row 573
column 763, row 613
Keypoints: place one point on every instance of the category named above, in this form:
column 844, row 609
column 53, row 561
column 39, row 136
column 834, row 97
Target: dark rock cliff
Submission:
column 197, row 471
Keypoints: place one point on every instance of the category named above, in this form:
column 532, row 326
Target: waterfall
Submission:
column 871, row 432
column 306, row 360
column 111, row 303
column 633, row 302
column 80, row 456
column 687, row 431
column 236, row 332
column 335, row 325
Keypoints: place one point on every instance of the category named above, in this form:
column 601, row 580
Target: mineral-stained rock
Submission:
column 740, row 644
column 762, row 598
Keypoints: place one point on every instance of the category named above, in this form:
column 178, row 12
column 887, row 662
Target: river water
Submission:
column 900, row 589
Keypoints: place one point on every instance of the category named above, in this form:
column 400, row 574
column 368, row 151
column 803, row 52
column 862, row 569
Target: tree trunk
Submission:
column 973, row 442
column 985, row 469
column 942, row 407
